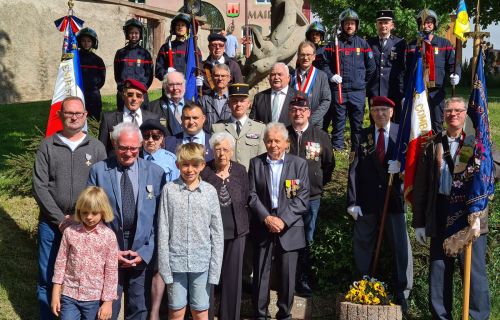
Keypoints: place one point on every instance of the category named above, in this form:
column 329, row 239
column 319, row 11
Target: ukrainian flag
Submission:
column 462, row 23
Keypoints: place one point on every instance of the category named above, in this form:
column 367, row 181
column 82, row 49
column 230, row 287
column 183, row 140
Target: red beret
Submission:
column 382, row 101
column 132, row 83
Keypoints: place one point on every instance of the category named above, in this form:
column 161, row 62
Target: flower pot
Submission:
column 352, row 311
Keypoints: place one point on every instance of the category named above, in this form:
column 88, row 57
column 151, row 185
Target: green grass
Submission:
column 19, row 216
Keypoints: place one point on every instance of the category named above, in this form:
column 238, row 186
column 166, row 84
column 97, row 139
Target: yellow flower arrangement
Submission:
column 368, row 291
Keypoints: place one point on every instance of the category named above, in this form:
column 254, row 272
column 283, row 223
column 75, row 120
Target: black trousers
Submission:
column 436, row 108
column 284, row 262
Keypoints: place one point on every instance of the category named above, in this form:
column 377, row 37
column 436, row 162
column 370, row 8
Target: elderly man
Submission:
column 216, row 47
column 367, row 186
column 215, row 104
column 279, row 196
column 133, row 96
column 61, row 169
column 271, row 105
column 249, row 134
column 431, row 204
column 169, row 105
column 312, row 83
column 133, row 186
column 313, row 144
column 193, row 119
column 389, row 55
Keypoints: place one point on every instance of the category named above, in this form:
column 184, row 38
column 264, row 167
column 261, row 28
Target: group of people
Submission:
column 192, row 199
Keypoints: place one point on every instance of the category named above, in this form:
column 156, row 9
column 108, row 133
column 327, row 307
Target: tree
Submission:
column 405, row 12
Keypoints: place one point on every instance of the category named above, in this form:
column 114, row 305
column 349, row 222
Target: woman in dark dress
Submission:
column 231, row 181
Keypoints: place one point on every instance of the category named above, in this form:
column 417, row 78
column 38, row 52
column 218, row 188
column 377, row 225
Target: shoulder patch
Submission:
column 370, row 54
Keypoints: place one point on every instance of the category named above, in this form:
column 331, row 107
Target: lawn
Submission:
column 18, row 216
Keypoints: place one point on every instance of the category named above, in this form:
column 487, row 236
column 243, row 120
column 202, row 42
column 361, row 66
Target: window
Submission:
column 137, row 1
column 148, row 36
column 263, row 1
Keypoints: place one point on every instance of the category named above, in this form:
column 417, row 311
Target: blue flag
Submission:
column 472, row 187
column 191, row 89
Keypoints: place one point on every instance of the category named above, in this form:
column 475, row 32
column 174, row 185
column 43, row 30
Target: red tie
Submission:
column 381, row 145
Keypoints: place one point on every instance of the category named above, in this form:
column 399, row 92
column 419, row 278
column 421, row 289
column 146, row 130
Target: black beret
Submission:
column 216, row 37
column 153, row 124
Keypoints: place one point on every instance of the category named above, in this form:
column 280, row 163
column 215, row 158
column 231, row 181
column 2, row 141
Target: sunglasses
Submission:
column 155, row 137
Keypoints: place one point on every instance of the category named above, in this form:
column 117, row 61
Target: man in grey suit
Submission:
column 279, row 196
column 312, row 83
column 271, row 105
column 133, row 97
column 133, row 186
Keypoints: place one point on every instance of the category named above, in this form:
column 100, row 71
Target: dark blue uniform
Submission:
column 179, row 58
column 444, row 63
column 388, row 80
column 357, row 67
column 132, row 63
column 93, row 76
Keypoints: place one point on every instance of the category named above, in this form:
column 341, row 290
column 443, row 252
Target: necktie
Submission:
column 381, row 145
column 133, row 115
column 299, row 138
column 276, row 107
column 238, row 127
column 177, row 112
column 128, row 201
column 149, row 158
column 383, row 41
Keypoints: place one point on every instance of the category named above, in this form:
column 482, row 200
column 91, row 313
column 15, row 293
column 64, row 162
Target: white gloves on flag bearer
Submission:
column 336, row 79
column 355, row 212
column 394, row 166
column 170, row 69
column 422, row 238
column 199, row 81
column 454, row 79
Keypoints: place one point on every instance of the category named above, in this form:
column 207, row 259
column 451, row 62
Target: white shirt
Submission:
column 275, row 168
column 386, row 135
column 128, row 118
column 281, row 96
column 242, row 121
column 71, row 144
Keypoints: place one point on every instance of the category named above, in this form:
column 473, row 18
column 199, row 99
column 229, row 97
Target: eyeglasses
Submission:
column 305, row 55
column 457, row 111
column 222, row 150
column 125, row 148
column 298, row 110
column 221, row 75
column 171, row 85
column 217, row 45
column 155, row 137
column 132, row 94
column 77, row 115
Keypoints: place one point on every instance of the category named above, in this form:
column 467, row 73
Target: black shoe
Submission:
column 302, row 289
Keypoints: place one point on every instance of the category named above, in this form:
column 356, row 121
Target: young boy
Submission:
column 190, row 236
column 132, row 61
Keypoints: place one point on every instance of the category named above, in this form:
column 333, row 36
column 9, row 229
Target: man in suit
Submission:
column 133, row 186
column 279, row 196
column 133, row 96
column 193, row 119
column 312, row 83
column 271, row 105
column 169, row 105
column 389, row 55
column 367, row 186
column 249, row 134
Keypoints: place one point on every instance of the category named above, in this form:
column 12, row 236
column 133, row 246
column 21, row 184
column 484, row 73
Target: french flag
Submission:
column 415, row 126
column 69, row 76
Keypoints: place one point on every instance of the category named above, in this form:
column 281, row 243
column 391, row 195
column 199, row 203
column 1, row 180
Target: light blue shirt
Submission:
column 231, row 45
column 166, row 160
column 446, row 178
column 275, row 168
column 171, row 105
column 133, row 174
column 199, row 138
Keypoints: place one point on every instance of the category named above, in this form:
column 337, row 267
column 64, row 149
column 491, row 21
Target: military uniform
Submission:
column 179, row 58
column 93, row 76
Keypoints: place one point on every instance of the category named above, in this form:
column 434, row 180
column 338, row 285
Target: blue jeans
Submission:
column 49, row 238
column 72, row 309
column 310, row 219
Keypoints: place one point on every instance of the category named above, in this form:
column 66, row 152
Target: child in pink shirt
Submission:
column 86, row 267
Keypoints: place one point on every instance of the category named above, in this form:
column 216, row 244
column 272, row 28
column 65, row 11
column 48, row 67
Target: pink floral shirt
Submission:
column 87, row 263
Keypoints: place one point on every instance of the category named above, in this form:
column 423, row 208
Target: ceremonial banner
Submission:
column 473, row 180
column 415, row 126
column 69, row 78
column 191, row 89
column 462, row 22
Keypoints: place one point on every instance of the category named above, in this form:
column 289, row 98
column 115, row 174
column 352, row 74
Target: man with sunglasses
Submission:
column 133, row 186
column 133, row 96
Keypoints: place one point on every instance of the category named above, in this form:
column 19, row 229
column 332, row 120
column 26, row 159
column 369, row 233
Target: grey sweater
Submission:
column 60, row 175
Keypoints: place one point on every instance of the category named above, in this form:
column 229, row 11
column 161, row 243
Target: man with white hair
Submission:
column 169, row 106
column 279, row 196
column 133, row 186
column 271, row 105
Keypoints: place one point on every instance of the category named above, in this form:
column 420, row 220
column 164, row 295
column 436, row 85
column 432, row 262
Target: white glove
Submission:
column 355, row 211
column 170, row 69
column 454, row 79
column 199, row 81
column 336, row 78
column 476, row 227
column 394, row 166
column 420, row 235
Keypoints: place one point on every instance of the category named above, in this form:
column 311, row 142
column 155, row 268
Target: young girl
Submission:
column 86, row 265
column 190, row 236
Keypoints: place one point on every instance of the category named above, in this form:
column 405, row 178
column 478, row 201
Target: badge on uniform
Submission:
column 394, row 54
column 163, row 122
column 465, row 153
column 313, row 150
column 150, row 189
column 358, row 51
column 292, row 186
column 88, row 157
column 436, row 50
column 138, row 63
column 253, row 135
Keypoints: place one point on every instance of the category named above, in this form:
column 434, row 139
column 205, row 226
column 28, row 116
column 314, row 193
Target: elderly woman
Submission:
column 230, row 179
